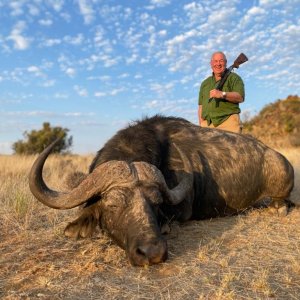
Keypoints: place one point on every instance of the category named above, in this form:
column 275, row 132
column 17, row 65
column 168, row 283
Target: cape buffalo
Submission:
column 161, row 169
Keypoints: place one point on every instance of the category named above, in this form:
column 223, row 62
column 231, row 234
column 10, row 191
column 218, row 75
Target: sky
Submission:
column 94, row 66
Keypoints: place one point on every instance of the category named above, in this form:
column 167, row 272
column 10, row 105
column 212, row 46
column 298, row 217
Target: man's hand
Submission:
column 216, row 94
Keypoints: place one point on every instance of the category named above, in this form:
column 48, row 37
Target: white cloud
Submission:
column 61, row 95
column 71, row 72
column 113, row 92
column 151, row 104
column 254, row 14
column 66, row 16
column 76, row 40
column 33, row 69
column 162, row 33
column 45, row 22
column 116, row 91
column 132, row 59
column 101, row 78
column 48, row 83
column 105, row 78
column 160, row 3
column 57, row 4
column 195, row 12
column 100, row 94
column 180, row 39
column 222, row 17
column 33, row 10
column 82, row 92
column 124, row 75
column 108, row 61
column 272, row 2
column 36, row 71
column 162, row 88
column 16, row 8
column 51, row 42
column 20, row 41
column 255, row 10
column 87, row 11
column 276, row 75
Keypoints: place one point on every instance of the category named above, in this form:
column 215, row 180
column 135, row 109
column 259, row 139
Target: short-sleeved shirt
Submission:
column 218, row 110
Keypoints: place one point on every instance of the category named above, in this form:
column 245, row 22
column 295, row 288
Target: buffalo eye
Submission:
column 153, row 195
column 117, row 198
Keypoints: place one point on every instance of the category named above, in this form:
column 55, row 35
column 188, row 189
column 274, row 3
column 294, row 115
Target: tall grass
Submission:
column 18, row 208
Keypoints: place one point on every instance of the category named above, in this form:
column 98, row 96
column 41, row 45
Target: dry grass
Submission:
column 253, row 256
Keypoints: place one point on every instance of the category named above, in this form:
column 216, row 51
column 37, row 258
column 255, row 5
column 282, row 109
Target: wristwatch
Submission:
column 224, row 95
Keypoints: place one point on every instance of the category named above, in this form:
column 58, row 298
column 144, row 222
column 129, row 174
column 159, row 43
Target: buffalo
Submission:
column 165, row 168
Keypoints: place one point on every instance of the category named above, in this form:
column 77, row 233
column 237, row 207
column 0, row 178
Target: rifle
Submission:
column 242, row 58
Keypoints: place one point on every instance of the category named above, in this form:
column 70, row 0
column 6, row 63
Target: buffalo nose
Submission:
column 149, row 253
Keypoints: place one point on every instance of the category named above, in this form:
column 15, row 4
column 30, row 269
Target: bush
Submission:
column 36, row 140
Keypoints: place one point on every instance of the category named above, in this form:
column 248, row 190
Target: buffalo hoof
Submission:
column 165, row 229
column 282, row 211
column 282, row 208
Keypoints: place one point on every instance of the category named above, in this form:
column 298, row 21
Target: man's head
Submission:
column 218, row 63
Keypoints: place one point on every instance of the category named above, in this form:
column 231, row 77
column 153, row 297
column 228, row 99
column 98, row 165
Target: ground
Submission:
column 250, row 256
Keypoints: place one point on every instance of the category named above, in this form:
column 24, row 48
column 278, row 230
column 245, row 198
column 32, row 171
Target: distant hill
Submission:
column 277, row 124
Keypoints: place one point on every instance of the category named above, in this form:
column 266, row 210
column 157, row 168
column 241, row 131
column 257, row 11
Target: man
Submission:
column 223, row 111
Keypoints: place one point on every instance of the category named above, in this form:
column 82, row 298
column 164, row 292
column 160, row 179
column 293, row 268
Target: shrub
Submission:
column 36, row 140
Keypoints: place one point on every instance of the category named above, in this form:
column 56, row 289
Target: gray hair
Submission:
column 219, row 52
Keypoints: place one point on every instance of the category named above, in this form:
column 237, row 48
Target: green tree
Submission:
column 36, row 140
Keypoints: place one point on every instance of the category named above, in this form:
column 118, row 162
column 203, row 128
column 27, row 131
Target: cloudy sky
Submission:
column 92, row 66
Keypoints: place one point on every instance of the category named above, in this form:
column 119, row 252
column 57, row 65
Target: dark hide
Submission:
column 231, row 171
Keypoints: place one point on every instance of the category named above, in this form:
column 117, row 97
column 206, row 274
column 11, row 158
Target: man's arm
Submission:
column 199, row 114
column 233, row 97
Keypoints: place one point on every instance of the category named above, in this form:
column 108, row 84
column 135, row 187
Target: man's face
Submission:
column 218, row 64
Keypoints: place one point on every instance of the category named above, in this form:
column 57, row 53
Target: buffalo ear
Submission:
column 85, row 225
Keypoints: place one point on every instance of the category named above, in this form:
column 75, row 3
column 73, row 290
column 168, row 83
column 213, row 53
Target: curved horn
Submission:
column 178, row 193
column 92, row 185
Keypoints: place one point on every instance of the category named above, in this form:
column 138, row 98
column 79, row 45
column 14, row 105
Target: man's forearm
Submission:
column 234, row 97
column 200, row 114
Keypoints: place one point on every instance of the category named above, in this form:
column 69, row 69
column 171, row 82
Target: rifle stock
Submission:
column 242, row 58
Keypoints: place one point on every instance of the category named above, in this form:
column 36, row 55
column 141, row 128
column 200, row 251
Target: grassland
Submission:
column 252, row 256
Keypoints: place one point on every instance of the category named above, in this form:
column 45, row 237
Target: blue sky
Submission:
column 93, row 66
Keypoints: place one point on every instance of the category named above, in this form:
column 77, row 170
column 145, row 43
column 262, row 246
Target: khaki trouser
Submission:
column 233, row 124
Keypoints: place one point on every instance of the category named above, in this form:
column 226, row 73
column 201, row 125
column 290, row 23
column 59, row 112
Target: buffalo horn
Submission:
column 178, row 193
column 90, row 187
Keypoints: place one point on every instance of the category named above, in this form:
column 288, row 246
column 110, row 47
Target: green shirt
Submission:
column 218, row 110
